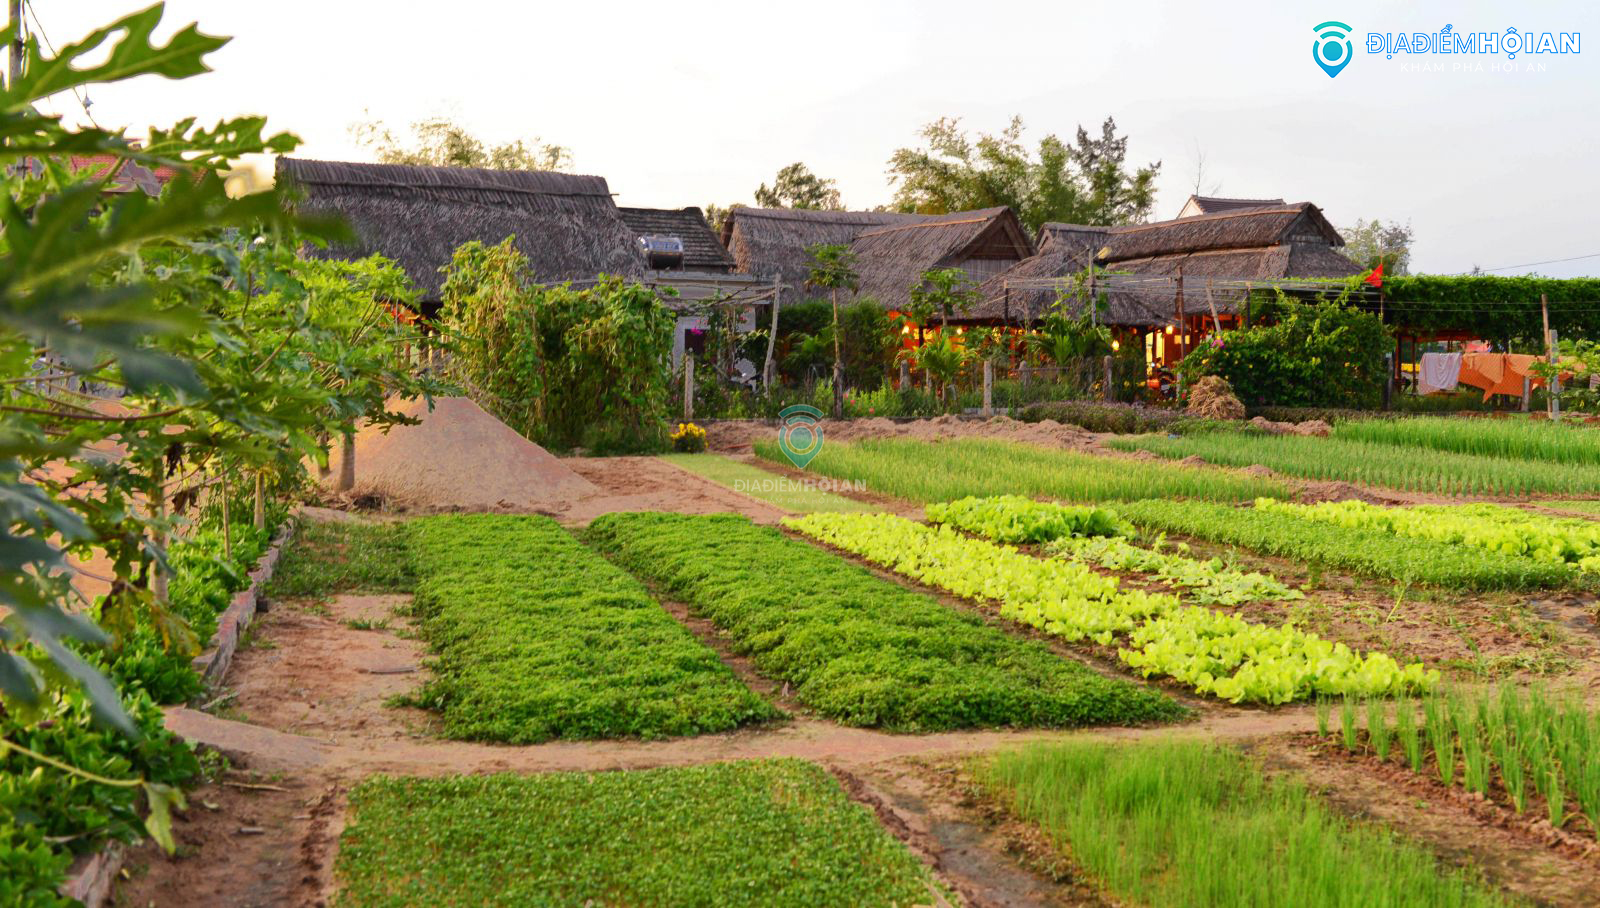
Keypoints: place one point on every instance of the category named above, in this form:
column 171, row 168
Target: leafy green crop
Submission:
column 768, row 833
column 1193, row 824
column 858, row 649
column 1495, row 528
column 1418, row 470
column 944, row 471
column 1013, row 518
column 1217, row 654
column 1369, row 552
column 538, row 638
column 1209, row 582
column 1093, row 536
column 345, row 556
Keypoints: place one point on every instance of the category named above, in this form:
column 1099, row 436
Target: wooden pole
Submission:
column 988, row 388
column 1550, row 353
column 1106, row 391
column 688, row 385
column 1183, row 327
column 14, row 72
column 769, row 370
column 227, row 520
column 261, row 500
column 905, row 374
column 1216, row 325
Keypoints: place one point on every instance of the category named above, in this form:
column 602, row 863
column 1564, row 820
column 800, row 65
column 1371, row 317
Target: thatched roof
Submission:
column 890, row 259
column 1207, row 204
column 772, row 242
column 1275, row 242
column 702, row 250
column 567, row 225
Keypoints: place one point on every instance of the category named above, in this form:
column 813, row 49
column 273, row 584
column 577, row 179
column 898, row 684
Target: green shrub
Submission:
column 1100, row 416
column 538, row 638
column 47, row 816
column 1312, row 355
column 858, row 649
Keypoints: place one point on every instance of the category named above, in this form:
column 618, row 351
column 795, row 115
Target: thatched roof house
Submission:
column 1243, row 244
column 1206, row 204
column 891, row 259
column 892, row 249
column 702, row 249
column 771, row 243
column 567, row 225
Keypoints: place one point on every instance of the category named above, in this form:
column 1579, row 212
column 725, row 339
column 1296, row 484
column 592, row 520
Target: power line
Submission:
column 1575, row 258
column 38, row 28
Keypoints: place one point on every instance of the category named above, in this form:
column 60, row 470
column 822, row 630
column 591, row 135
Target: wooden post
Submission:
column 1527, row 392
column 1183, row 326
column 261, row 500
column 1555, row 381
column 988, row 388
column 1216, row 325
column 1106, row 391
column 347, row 461
column 1094, row 315
column 905, row 374
column 1025, row 371
column 227, row 519
column 688, row 386
column 158, row 507
column 769, row 370
column 1388, row 380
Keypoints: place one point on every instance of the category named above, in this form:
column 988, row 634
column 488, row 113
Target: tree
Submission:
column 717, row 215
column 797, row 187
column 442, row 142
column 1369, row 243
column 1083, row 183
column 944, row 291
column 833, row 269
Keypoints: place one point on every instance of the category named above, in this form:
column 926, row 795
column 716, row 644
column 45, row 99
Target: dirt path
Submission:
column 652, row 484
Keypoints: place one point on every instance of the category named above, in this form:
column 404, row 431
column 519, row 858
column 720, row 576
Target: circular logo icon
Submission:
column 800, row 433
column 1332, row 49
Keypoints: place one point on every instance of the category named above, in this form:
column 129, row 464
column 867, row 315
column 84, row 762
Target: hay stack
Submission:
column 1213, row 398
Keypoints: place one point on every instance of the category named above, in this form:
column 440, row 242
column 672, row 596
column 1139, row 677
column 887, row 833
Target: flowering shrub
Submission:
column 688, row 438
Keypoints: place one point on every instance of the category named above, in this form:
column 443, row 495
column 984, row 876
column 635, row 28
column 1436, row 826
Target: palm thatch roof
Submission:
column 892, row 258
column 771, row 243
column 567, row 225
column 702, row 250
column 1207, row 204
column 1260, row 243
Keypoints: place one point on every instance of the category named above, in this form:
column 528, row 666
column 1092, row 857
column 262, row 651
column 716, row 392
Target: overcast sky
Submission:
column 685, row 103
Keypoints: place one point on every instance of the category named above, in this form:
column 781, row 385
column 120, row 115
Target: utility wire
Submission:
column 38, row 28
column 1575, row 258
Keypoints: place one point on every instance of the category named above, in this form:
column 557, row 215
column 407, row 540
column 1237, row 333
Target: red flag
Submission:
column 1376, row 277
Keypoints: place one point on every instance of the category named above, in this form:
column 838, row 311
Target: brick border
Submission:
column 235, row 619
column 92, row 875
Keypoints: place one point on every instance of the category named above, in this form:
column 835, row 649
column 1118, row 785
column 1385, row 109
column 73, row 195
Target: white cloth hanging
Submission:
column 1438, row 372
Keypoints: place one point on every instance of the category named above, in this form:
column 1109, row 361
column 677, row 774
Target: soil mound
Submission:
column 459, row 458
column 1213, row 398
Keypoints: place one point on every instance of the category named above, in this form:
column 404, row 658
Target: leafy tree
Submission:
column 944, row 292
column 442, row 142
column 1370, row 242
column 717, row 215
column 1083, row 183
column 797, row 187
column 833, row 269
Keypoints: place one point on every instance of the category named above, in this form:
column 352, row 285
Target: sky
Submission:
column 1493, row 162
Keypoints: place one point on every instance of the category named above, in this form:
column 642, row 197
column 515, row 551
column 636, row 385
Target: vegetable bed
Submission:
column 774, row 832
column 928, row 472
column 859, row 649
column 1186, row 823
column 539, row 638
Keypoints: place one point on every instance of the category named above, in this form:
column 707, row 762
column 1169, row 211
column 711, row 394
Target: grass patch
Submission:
column 1359, row 550
column 538, row 638
column 1518, row 438
column 1585, row 506
column 775, row 832
column 859, row 649
column 944, row 471
column 344, row 556
column 1378, row 464
column 781, row 491
column 1187, row 823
